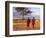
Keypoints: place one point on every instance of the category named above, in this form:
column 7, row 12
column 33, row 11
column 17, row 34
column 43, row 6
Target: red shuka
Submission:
column 28, row 22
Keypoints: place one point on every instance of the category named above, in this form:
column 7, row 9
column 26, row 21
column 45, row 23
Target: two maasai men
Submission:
column 33, row 22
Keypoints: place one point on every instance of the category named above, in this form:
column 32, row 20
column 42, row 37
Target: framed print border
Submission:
column 7, row 18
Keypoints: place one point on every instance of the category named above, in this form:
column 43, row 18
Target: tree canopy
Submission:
column 23, row 10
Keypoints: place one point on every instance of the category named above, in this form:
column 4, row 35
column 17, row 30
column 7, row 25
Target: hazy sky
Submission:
column 35, row 13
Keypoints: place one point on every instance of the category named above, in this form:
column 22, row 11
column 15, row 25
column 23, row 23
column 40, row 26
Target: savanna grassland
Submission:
column 21, row 24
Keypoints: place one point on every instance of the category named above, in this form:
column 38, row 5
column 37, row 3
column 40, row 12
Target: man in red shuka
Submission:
column 28, row 22
column 33, row 22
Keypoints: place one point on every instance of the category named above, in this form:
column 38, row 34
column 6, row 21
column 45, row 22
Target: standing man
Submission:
column 33, row 22
column 28, row 22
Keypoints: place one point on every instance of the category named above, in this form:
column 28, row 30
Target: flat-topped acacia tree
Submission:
column 23, row 11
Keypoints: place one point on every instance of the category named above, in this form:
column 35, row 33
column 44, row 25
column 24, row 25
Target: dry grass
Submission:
column 20, row 24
